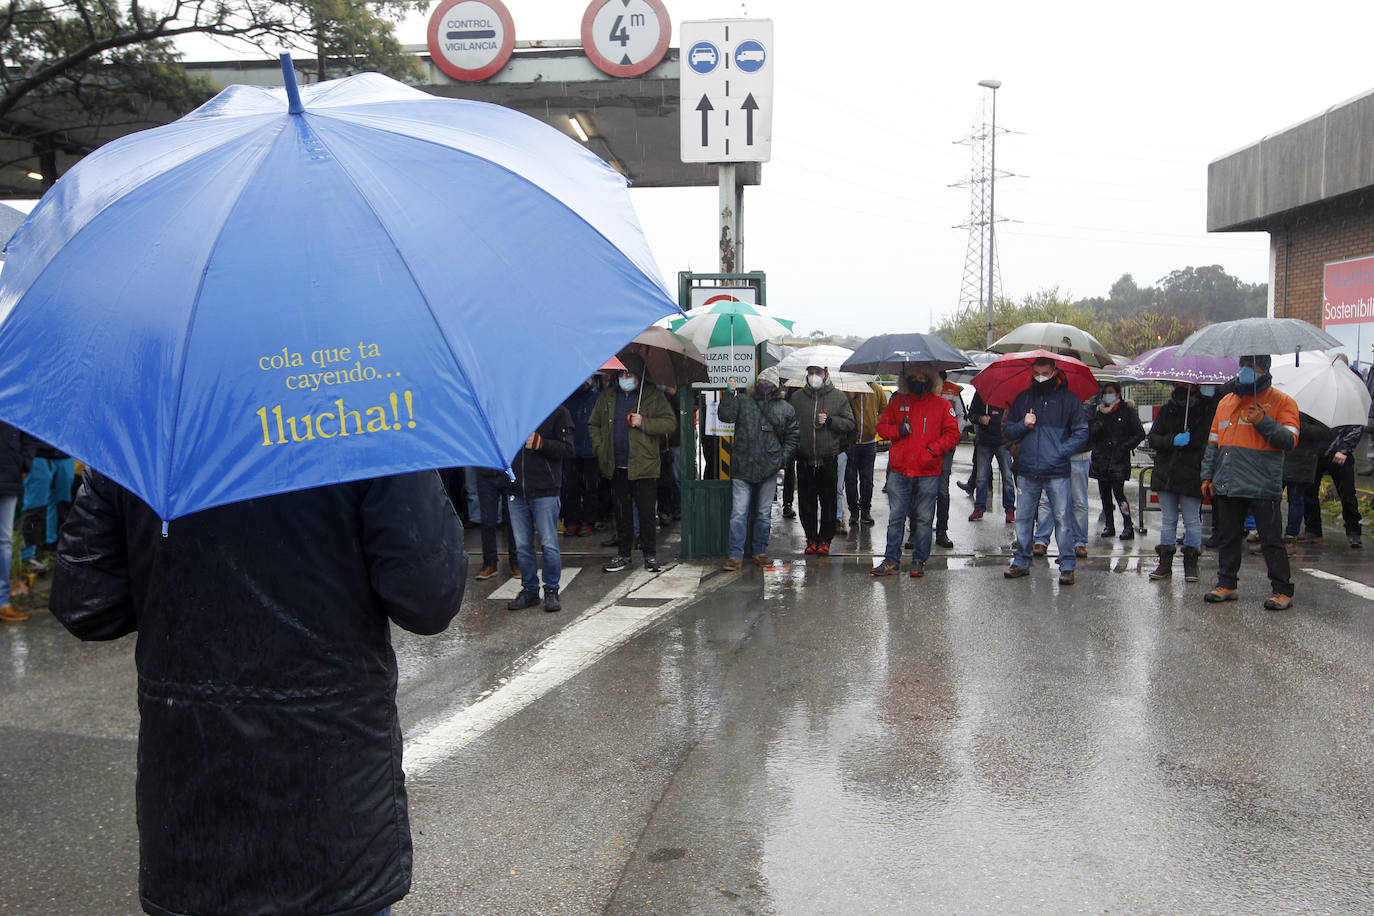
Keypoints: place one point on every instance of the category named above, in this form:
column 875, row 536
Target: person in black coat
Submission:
column 534, row 505
column 1114, row 431
column 1178, row 437
column 1338, row 460
column 16, row 456
column 1300, row 469
column 269, row 747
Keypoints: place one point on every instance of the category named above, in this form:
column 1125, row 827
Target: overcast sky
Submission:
column 1114, row 112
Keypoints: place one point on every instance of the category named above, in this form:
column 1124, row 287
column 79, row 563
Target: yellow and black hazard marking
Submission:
column 725, row 446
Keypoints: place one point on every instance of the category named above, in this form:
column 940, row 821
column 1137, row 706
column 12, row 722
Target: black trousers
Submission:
column 858, row 478
column 1230, row 513
column 631, row 498
column 1343, row 476
column 491, row 500
column 817, row 480
column 1113, row 493
column 942, row 494
column 581, row 491
column 789, row 482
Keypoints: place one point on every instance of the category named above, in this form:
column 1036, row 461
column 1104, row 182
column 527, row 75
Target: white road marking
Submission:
column 599, row 631
column 1357, row 589
column 511, row 587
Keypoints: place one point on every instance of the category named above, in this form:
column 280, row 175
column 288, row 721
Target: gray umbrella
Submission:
column 1251, row 336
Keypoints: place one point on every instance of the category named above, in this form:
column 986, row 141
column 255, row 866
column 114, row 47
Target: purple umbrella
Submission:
column 1163, row 364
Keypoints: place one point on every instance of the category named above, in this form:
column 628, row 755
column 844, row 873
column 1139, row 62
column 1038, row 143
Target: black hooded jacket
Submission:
column 1178, row 468
column 269, row 749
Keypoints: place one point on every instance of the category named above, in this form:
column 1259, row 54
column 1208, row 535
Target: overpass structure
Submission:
column 632, row 123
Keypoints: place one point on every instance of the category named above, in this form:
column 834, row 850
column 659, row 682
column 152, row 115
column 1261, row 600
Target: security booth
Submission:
column 705, row 440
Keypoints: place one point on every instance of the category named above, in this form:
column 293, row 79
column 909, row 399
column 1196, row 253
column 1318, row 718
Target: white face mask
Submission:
column 1043, row 378
column 1109, row 399
column 627, row 384
column 815, row 381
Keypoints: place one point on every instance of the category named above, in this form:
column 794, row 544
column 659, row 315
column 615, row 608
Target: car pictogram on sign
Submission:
column 703, row 57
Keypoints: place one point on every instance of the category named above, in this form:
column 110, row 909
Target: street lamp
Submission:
column 994, row 85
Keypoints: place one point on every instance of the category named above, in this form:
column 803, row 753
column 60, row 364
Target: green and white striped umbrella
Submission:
column 730, row 324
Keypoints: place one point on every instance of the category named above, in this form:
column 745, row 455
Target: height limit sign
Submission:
column 727, row 90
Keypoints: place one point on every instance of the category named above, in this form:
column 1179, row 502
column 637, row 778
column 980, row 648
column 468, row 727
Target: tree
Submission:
column 90, row 69
column 1211, row 294
column 1134, row 334
column 968, row 330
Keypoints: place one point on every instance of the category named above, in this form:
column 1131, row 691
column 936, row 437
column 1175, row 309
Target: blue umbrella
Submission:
column 290, row 288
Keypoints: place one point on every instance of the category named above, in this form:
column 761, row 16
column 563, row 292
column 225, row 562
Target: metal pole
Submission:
column 992, row 210
column 728, row 254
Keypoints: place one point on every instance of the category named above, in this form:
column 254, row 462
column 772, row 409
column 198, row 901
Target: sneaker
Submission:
column 788, row 512
column 1039, row 549
column 942, row 540
column 762, row 560
column 731, row 564
column 811, row 547
column 963, row 486
column 1252, row 537
column 1309, row 538
column 562, row 529
column 1278, row 602
column 823, row 548
column 514, row 570
column 866, row 519
column 1219, row 594
column 1355, row 542
column 35, row 565
column 486, row 572
column 1080, row 551
column 617, row 564
column 1016, row 572
column 11, row 613
column 651, row 563
column 551, row 602
column 1066, row 577
column 885, row 568
column 611, row 541
column 975, row 515
column 918, row 570
column 1011, row 517
column 528, row 597
column 841, row 528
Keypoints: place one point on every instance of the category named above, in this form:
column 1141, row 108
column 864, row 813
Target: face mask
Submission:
column 917, row 386
column 1180, row 394
column 1109, row 399
column 1208, row 390
column 763, row 390
column 1246, row 376
column 627, row 385
column 1043, row 378
column 815, row 381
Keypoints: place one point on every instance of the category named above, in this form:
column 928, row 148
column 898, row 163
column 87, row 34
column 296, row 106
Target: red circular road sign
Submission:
column 471, row 40
column 626, row 37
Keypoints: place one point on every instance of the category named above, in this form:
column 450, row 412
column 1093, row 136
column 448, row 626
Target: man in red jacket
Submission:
column 922, row 428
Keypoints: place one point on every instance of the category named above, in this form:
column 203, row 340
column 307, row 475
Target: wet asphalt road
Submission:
column 812, row 740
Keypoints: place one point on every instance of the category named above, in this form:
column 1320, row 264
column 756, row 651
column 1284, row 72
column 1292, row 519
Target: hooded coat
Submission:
column 269, row 748
column 820, row 442
column 646, row 440
column 1300, row 465
column 934, row 431
column 766, row 433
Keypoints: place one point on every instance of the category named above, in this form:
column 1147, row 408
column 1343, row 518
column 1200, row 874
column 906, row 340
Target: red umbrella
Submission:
column 1010, row 374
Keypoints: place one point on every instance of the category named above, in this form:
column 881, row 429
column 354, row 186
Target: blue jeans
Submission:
column 527, row 515
column 761, row 494
column 914, row 498
column 1174, row 505
column 49, row 482
column 1079, row 466
column 1297, row 507
column 1058, row 491
column 841, row 468
column 982, row 463
column 7, row 504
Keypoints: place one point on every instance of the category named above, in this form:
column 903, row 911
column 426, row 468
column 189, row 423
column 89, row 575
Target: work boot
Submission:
column 1127, row 528
column 528, row 597
column 942, row 540
column 12, row 614
column 1190, row 555
column 1165, row 569
column 551, row 602
column 787, row 511
column 1109, row 529
column 731, row 564
column 865, row 518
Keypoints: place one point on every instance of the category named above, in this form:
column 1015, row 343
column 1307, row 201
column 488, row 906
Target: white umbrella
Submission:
column 854, row 382
column 794, row 364
column 1324, row 388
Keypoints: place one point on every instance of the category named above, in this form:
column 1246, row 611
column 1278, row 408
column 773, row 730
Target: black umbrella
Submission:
column 887, row 353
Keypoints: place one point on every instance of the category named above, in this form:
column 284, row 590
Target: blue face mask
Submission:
column 1246, row 376
column 1109, row 399
column 627, row 385
column 1208, row 390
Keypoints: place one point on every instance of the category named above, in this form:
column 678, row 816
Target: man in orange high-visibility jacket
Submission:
column 1242, row 472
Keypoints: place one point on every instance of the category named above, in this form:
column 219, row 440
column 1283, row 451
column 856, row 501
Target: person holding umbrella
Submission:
column 922, row 427
column 1179, row 438
column 766, row 437
column 825, row 420
column 1242, row 472
column 626, row 427
column 1114, row 432
column 1047, row 421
